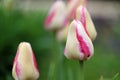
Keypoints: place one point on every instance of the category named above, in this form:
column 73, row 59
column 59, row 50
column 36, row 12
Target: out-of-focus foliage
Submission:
column 17, row 26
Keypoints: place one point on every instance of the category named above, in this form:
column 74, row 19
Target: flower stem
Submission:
column 58, row 58
column 81, row 70
column 60, row 61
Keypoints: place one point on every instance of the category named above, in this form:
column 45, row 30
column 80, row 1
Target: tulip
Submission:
column 78, row 46
column 72, row 6
column 83, row 15
column 56, row 17
column 62, row 33
column 25, row 66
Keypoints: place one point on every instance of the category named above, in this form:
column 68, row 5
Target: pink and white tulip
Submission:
column 25, row 66
column 83, row 15
column 78, row 46
column 56, row 17
column 62, row 33
column 72, row 6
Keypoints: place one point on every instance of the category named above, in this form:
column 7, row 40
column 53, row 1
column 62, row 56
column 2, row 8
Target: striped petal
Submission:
column 56, row 17
column 71, row 8
column 83, row 15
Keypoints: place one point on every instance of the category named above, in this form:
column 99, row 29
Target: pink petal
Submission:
column 72, row 12
column 82, row 44
column 17, row 69
column 83, row 20
column 35, row 63
column 65, row 22
column 50, row 18
column 16, row 57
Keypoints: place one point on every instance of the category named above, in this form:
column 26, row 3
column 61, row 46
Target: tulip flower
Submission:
column 72, row 6
column 25, row 66
column 62, row 33
column 83, row 15
column 56, row 17
column 78, row 46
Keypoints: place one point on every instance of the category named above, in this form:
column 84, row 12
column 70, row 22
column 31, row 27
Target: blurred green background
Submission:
column 22, row 23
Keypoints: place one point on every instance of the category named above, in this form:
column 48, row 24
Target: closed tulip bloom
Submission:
column 62, row 33
column 72, row 6
column 83, row 15
column 78, row 46
column 25, row 66
column 56, row 17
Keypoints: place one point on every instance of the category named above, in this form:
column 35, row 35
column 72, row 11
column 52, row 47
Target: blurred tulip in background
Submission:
column 25, row 65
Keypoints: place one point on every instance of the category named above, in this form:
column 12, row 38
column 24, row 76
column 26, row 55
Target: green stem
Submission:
column 81, row 70
column 55, row 55
column 60, row 61
column 58, row 58
column 52, row 73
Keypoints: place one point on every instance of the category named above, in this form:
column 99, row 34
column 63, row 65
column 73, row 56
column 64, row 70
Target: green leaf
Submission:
column 115, row 77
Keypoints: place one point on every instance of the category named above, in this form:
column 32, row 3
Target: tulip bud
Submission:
column 83, row 15
column 78, row 46
column 56, row 17
column 25, row 66
column 62, row 33
column 72, row 6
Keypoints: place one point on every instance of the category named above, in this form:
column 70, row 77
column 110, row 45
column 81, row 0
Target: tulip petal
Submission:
column 82, row 44
column 17, row 69
column 49, row 18
column 56, row 18
column 62, row 33
column 85, row 18
column 71, row 8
